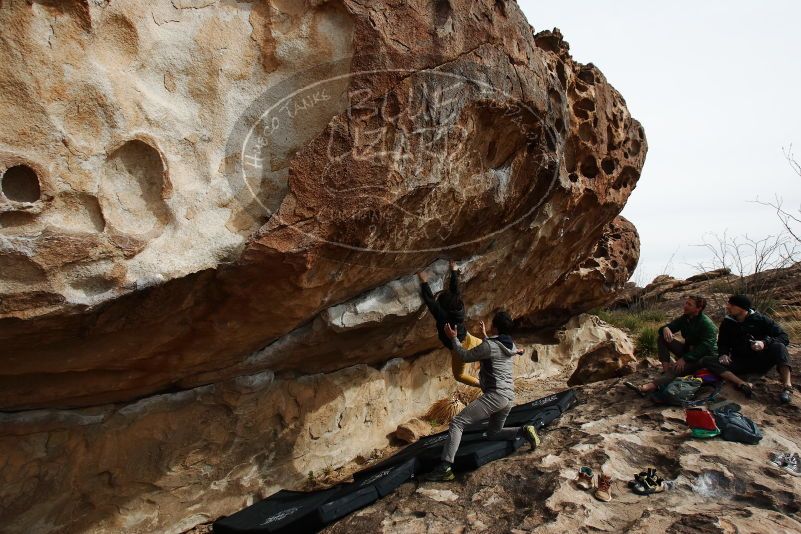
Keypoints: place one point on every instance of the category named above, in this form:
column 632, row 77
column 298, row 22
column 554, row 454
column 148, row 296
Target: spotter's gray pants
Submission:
column 492, row 405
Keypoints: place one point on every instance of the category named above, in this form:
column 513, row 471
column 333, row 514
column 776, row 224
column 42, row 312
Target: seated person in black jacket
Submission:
column 751, row 343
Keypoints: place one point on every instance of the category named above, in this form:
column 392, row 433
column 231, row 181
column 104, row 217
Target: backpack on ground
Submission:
column 734, row 426
column 678, row 392
column 687, row 391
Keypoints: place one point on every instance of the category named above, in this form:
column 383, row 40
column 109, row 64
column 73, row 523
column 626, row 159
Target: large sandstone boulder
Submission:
column 587, row 349
column 610, row 352
column 198, row 198
column 203, row 179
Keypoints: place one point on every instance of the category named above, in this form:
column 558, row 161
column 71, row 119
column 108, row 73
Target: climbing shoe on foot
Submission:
column 530, row 433
column 584, row 479
column 746, row 389
column 636, row 388
column 604, row 490
column 442, row 473
column 786, row 395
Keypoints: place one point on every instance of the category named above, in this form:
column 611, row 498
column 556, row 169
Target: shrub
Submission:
column 642, row 324
column 646, row 340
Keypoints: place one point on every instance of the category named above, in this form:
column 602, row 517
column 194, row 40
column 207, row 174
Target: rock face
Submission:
column 152, row 258
column 169, row 462
column 412, row 430
column 607, row 352
column 588, row 348
column 195, row 193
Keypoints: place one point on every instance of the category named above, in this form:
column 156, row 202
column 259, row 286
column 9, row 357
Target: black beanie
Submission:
column 741, row 301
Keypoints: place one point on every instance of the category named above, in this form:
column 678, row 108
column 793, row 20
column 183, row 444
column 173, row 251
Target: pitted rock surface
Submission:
column 135, row 262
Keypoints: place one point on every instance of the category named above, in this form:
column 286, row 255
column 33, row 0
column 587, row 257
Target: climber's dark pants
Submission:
column 677, row 348
column 665, row 349
column 745, row 361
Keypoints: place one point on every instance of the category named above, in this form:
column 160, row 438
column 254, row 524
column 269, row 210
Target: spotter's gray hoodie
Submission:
column 495, row 355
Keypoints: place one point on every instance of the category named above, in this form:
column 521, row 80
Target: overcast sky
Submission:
column 716, row 86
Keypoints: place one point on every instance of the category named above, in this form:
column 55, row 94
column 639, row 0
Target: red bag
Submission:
column 700, row 418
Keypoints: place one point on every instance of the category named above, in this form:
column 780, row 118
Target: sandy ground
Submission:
column 719, row 486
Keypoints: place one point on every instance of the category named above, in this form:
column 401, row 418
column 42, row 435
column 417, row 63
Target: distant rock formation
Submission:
column 779, row 289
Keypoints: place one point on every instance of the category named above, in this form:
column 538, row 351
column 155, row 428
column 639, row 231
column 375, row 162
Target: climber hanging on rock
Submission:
column 496, row 378
column 448, row 308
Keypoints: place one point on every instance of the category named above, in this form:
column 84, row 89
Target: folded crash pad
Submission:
column 284, row 512
column 299, row 512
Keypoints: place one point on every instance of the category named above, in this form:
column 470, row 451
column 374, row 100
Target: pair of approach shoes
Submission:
column 603, row 489
column 788, row 462
column 647, row 483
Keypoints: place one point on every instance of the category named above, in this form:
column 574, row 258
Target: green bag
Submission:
column 702, row 433
column 680, row 392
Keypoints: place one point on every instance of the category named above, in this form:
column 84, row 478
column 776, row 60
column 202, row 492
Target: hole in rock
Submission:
column 19, row 268
column 608, row 165
column 16, row 219
column 587, row 76
column 131, row 189
column 583, row 108
column 570, row 156
column 560, row 73
column 94, row 285
column 586, row 133
column 491, row 151
column 20, row 184
column 500, row 6
column 556, row 98
column 590, row 263
column 442, row 11
column 589, row 167
column 573, row 177
column 627, row 177
column 610, row 137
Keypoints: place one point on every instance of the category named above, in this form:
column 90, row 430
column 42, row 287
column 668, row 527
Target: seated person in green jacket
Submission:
column 700, row 343
column 752, row 343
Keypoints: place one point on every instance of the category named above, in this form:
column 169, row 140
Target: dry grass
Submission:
column 643, row 324
column 442, row 411
column 789, row 317
column 467, row 394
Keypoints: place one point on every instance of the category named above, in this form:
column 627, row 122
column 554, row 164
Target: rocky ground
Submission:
column 719, row 486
